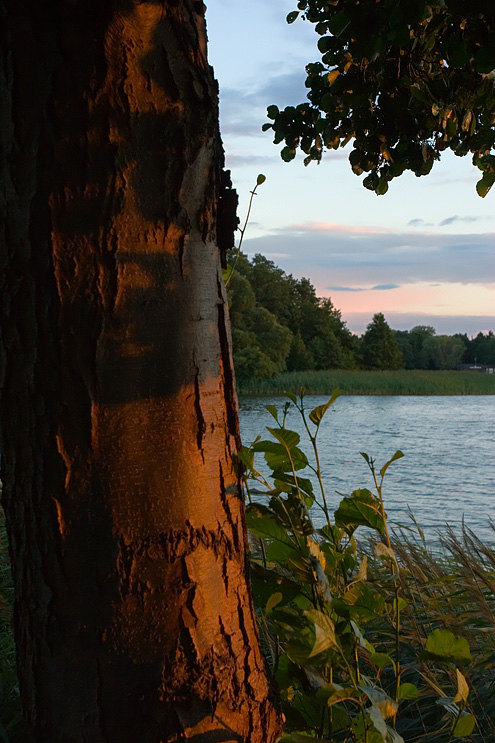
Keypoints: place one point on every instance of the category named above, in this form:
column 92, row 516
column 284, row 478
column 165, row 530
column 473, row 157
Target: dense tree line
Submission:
column 279, row 324
column 422, row 348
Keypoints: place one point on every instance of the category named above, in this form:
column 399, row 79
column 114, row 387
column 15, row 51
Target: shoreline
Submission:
column 414, row 382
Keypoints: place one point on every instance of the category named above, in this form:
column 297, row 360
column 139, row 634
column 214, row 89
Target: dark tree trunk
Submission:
column 133, row 616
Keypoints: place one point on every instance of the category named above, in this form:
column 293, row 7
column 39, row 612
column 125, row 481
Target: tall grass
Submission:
column 355, row 382
column 450, row 587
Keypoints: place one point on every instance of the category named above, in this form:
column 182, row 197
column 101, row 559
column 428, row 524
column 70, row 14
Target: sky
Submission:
column 423, row 254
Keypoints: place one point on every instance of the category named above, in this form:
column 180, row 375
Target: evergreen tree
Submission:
column 378, row 347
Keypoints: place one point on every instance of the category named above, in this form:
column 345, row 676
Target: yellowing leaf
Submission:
column 316, row 552
column 332, row 76
column 462, row 688
column 324, row 632
column 387, row 706
column 386, row 554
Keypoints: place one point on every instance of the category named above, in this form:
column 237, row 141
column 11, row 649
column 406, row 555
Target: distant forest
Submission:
column 279, row 324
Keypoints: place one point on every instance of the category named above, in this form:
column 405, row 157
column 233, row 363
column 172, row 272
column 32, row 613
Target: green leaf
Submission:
column 338, row 22
column 398, row 455
column 362, row 508
column 226, row 273
column 381, row 660
column 274, row 599
column 278, row 551
column 324, row 632
column 331, row 694
column 444, row 645
column 360, row 603
column 289, row 439
column 272, row 112
column 382, row 187
column 485, row 184
column 277, row 458
column 263, row 524
column 286, row 482
column 317, row 413
column 260, row 179
column 292, row 397
column 287, row 154
column 291, row 17
column 408, row 691
column 464, row 725
column 273, row 411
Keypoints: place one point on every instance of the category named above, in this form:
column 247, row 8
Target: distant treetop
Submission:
column 403, row 80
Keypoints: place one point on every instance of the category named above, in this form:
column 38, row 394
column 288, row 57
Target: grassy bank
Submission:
column 354, row 382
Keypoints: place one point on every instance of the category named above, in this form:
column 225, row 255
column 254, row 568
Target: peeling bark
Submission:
column 118, row 412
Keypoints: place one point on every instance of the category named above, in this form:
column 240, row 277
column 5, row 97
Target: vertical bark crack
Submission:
column 201, row 423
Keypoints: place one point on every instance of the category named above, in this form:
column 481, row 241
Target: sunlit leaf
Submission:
column 317, row 413
column 288, row 438
column 324, row 632
column 408, row 691
column 361, row 508
column 398, row 454
column 462, row 688
column 444, row 645
column 464, row 725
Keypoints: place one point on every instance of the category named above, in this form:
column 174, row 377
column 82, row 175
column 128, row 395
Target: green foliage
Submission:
column 358, row 382
column 378, row 347
column 279, row 324
column 360, row 638
column 444, row 351
column 403, row 79
column 288, row 324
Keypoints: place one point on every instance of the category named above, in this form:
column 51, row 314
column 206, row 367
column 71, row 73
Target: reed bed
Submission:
column 450, row 584
column 357, row 382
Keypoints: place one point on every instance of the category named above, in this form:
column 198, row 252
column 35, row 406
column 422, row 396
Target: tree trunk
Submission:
column 133, row 616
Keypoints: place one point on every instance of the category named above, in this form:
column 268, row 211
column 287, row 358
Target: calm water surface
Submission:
column 448, row 470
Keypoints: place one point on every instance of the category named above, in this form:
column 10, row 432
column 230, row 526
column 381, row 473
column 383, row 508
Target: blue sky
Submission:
column 423, row 254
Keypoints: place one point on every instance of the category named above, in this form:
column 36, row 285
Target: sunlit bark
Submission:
column 133, row 616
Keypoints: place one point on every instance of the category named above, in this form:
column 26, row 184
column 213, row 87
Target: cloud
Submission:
column 359, row 256
column 385, row 287
column 243, row 110
column 419, row 223
column 456, row 218
column 239, row 161
column 345, row 289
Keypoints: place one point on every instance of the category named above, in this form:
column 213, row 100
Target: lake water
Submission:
column 448, row 470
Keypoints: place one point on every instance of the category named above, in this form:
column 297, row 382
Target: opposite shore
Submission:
column 359, row 382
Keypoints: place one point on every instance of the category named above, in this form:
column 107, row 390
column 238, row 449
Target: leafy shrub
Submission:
column 367, row 641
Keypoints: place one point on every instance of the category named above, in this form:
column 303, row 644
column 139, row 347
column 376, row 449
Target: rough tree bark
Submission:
column 133, row 616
